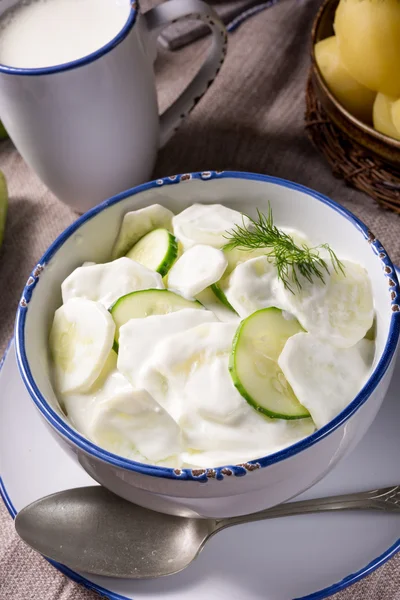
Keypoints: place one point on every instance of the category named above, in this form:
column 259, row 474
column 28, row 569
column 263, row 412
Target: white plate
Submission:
column 280, row 559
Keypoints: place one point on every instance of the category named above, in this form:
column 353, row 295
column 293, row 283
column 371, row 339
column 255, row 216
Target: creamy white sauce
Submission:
column 188, row 375
column 138, row 338
column 253, row 285
column 206, row 224
column 196, row 269
column 125, row 421
column 107, row 282
column 323, row 377
column 339, row 310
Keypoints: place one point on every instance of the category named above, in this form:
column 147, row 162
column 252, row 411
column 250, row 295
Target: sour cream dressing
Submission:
column 167, row 397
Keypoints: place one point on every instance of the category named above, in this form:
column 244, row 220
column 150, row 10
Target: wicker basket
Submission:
column 348, row 160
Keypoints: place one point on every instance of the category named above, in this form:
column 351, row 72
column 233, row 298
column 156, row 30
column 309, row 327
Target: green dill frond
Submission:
column 290, row 259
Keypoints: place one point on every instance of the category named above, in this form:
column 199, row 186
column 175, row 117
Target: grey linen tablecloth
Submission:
column 251, row 119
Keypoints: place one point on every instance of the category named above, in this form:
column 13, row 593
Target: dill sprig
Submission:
column 290, row 259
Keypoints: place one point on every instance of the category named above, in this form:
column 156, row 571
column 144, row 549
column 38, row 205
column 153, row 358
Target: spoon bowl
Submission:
column 91, row 529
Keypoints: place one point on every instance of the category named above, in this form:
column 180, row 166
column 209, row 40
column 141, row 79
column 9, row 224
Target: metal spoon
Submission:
column 90, row 529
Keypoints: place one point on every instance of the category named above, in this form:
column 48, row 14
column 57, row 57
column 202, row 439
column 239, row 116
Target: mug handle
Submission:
column 176, row 10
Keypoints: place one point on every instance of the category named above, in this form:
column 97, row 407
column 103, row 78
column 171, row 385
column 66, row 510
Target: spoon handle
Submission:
column 384, row 499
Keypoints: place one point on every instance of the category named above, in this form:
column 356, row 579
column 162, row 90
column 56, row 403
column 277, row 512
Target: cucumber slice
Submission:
column 210, row 301
column 137, row 224
column 220, row 294
column 178, row 255
column 144, row 303
column 157, row 250
column 236, row 256
column 256, row 347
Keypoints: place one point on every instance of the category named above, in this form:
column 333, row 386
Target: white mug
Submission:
column 90, row 128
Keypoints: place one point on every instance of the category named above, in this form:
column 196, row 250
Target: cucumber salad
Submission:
column 210, row 338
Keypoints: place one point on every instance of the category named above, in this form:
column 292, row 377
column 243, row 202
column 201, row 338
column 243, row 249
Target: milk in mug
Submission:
column 44, row 33
column 78, row 95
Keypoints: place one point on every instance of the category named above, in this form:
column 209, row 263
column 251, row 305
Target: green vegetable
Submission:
column 157, row 250
column 254, row 368
column 217, row 288
column 144, row 303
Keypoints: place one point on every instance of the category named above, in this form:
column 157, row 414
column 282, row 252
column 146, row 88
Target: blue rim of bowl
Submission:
column 85, row 60
column 218, row 473
column 318, row 595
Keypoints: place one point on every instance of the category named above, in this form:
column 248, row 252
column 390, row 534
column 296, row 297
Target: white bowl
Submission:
column 233, row 489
